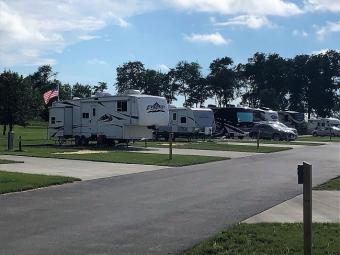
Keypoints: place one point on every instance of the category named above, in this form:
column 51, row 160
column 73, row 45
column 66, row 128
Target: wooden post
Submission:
column 305, row 178
column 20, row 148
column 307, row 208
column 258, row 140
column 171, row 136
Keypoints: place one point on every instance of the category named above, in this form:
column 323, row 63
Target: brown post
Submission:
column 171, row 137
column 307, row 208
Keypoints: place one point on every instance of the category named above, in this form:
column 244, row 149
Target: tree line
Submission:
column 305, row 83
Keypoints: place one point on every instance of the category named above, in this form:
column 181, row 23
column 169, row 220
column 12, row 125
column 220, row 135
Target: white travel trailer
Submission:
column 130, row 116
column 188, row 122
column 322, row 123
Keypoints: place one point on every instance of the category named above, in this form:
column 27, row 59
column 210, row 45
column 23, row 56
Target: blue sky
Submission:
column 86, row 40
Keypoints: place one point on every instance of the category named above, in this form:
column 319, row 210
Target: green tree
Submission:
column 15, row 99
column 81, row 91
column 186, row 76
column 65, row 92
column 199, row 92
column 265, row 77
column 43, row 80
column 130, row 76
column 322, row 93
column 222, row 80
column 100, row 87
column 153, row 82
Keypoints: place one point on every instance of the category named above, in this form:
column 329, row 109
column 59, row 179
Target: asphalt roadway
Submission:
column 159, row 212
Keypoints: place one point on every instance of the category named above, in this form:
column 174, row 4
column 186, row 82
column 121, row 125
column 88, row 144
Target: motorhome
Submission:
column 233, row 121
column 130, row 116
column 265, row 114
column 188, row 122
column 294, row 119
column 320, row 123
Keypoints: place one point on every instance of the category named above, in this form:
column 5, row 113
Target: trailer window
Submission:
column 94, row 112
column 183, row 120
column 174, row 116
column 52, row 120
column 86, row 115
column 121, row 106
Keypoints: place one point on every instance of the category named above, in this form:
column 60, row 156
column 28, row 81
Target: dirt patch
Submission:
column 80, row 152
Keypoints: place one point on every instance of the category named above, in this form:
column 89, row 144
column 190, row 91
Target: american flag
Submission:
column 51, row 94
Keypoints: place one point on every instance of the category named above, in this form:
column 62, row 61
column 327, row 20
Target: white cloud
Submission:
column 215, row 38
column 251, row 7
column 250, row 21
column 299, row 33
column 96, row 61
column 322, row 51
column 88, row 37
column 163, row 68
column 33, row 30
column 331, row 27
column 322, row 5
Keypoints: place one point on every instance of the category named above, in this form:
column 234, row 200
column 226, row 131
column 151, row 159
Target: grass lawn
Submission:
column 270, row 238
column 309, row 138
column 116, row 156
column 216, row 146
column 6, row 161
column 277, row 142
column 333, row 184
column 36, row 134
column 13, row 181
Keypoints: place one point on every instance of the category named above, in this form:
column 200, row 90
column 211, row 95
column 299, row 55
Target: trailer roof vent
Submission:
column 132, row 92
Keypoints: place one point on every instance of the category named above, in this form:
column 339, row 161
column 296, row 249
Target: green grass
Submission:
column 13, row 181
column 333, row 184
column 309, row 138
column 277, row 142
column 216, row 146
column 36, row 134
column 116, row 156
column 6, row 161
column 270, row 238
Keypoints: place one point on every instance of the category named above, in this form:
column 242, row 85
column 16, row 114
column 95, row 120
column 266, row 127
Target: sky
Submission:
column 86, row 40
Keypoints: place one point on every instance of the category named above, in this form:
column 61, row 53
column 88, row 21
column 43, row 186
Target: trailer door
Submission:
column 94, row 120
column 68, row 121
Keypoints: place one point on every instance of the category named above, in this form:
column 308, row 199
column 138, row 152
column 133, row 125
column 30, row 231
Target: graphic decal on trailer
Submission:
column 156, row 107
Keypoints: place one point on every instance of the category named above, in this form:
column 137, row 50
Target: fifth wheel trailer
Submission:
column 130, row 116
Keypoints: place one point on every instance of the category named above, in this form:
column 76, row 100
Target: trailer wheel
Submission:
column 77, row 141
column 276, row 137
column 84, row 141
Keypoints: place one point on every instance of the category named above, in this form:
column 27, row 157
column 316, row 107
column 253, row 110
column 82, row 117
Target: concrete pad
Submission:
column 85, row 170
column 265, row 144
column 325, row 206
column 228, row 154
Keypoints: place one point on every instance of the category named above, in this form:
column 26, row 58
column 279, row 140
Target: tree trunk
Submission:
column 10, row 127
column 4, row 129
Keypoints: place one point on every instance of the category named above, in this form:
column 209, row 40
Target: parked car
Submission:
column 289, row 128
column 272, row 131
column 327, row 131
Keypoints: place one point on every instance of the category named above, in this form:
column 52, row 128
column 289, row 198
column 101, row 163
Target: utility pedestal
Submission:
column 305, row 178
